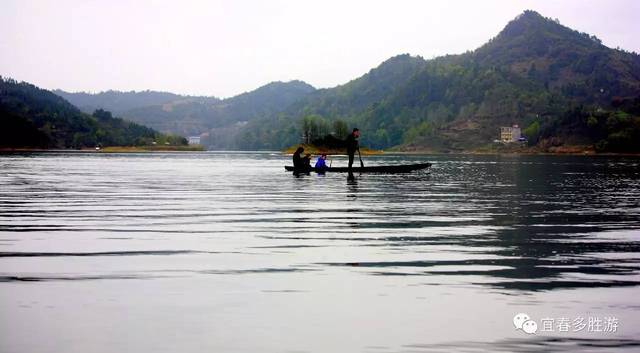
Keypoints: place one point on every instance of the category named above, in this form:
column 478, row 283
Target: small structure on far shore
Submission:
column 194, row 140
column 510, row 134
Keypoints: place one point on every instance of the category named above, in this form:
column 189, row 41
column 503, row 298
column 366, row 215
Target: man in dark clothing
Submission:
column 352, row 146
column 298, row 163
column 301, row 164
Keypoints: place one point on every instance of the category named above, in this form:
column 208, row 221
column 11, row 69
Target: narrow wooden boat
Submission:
column 381, row 169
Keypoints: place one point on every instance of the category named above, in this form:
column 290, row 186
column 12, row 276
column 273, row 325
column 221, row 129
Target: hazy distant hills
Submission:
column 562, row 86
column 118, row 102
column 189, row 115
column 36, row 118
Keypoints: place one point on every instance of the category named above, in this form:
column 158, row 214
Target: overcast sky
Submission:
column 224, row 48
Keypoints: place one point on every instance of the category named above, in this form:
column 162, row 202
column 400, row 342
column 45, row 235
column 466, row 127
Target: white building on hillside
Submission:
column 510, row 134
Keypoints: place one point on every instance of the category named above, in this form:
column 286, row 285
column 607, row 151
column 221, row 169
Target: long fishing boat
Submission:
column 381, row 169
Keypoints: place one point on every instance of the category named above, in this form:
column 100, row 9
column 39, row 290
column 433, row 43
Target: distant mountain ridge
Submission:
column 119, row 102
column 191, row 115
column 535, row 73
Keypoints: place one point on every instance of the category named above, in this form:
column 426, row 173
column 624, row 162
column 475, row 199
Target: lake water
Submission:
column 226, row 252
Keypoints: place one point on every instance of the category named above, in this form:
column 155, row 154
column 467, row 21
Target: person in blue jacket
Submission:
column 321, row 164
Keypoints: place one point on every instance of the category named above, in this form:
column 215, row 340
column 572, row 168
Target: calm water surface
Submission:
column 225, row 252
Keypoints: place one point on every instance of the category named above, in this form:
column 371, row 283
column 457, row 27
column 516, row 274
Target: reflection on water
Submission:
column 532, row 344
column 263, row 252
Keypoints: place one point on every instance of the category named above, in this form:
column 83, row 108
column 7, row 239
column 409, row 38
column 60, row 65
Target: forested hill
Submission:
column 361, row 93
column 536, row 73
column 34, row 117
column 532, row 74
column 189, row 115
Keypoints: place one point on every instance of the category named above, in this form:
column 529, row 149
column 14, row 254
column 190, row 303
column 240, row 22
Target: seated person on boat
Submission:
column 321, row 164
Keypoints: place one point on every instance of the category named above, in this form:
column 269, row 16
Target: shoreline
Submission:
column 329, row 152
column 519, row 153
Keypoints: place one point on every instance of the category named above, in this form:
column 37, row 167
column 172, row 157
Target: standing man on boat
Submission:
column 352, row 146
column 298, row 162
column 301, row 164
